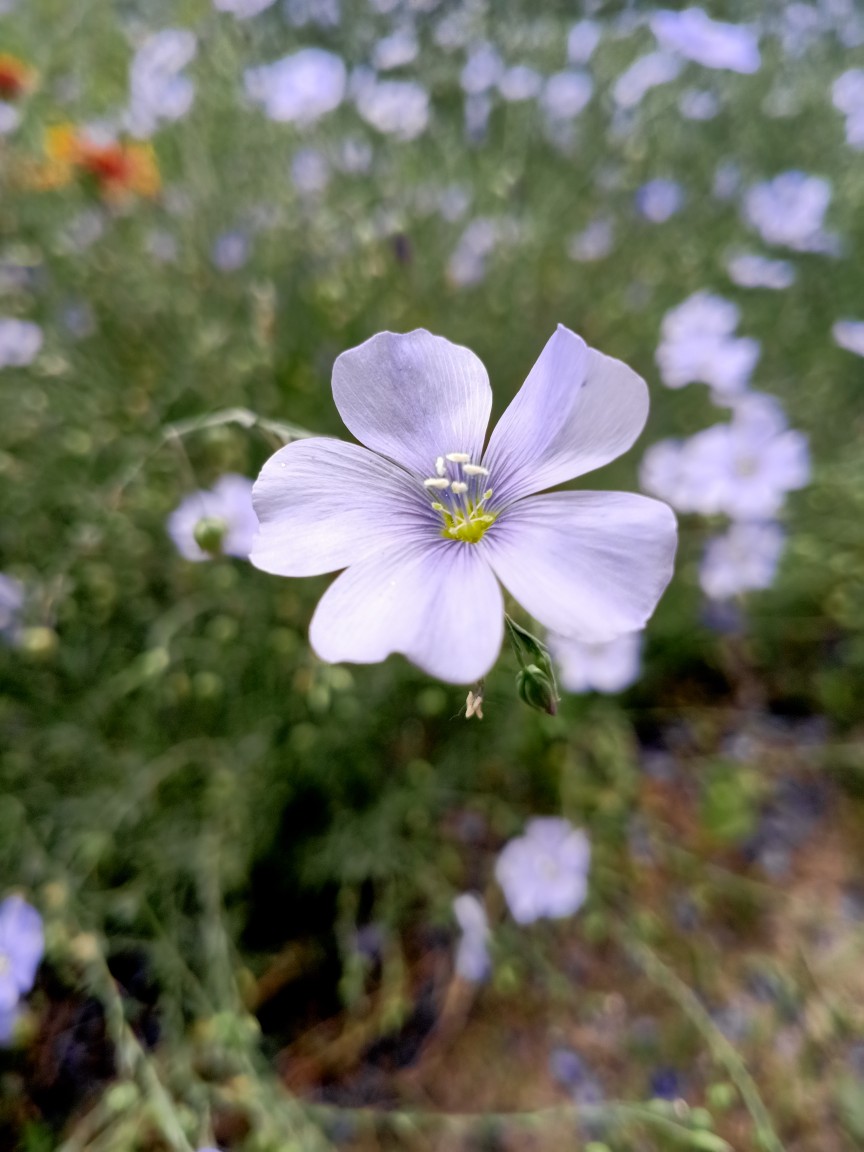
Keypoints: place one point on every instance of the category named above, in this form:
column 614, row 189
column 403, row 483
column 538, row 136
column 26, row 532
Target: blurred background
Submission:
column 256, row 902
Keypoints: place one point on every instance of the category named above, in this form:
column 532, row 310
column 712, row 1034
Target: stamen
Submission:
column 458, row 457
column 458, row 486
column 440, row 466
column 436, row 482
column 475, row 470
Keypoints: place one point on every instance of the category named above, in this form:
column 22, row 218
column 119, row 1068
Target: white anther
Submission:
column 436, row 482
column 440, row 466
column 458, row 457
column 475, row 470
column 487, row 495
column 458, row 486
column 474, row 704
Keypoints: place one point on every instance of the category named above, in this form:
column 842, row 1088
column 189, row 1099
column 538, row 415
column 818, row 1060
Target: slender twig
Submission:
column 721, row 1049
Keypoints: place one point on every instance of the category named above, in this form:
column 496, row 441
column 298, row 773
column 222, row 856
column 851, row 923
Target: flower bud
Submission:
column 209, row 533
column 537, row 689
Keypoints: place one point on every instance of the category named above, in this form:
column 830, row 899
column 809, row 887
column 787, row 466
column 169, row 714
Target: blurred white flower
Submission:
column 483, row 69
column 849, row 334
column 11, row 607
column 157, row 90
column 544, row 873
column 789, row 211
column 743, row 559
column 162, row 245
column 698, row 345
column 300, row 88
column 472, row 952
column 397, row 108
column 20, row 342
column 582, row 40
column 610, row 667
column 749, row 270
column 711, row 43
column 645, row 73
column 594, row 242
column 520, row 83
column 225, row 510
column 242, row 9
column 659, row 200
column 396, row 50
column 565, row 94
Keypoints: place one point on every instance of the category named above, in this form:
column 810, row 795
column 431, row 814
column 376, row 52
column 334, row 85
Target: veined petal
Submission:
column 577, row 410
column 324, row 504
column 437, row 602
column 413, row 397
column 588, row 565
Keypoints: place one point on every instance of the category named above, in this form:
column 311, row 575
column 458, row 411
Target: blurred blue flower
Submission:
column 227, row 507
column 398, row 108
column 609, row 667
column 157, row 89
column 665, row 1084
column 849, row 334
column 544, row 873
column 698, row 345
column 711, row 43
column 20, row 342
column 22, row 944
column 847, row 95
column 300, row 88
column 12, row 597
column 231, row 251
column 743, row 559
column 565, row 94
column 472, row 953
column 594, row 242
column 749, row 270
column 789, row 211
column 645, row 73
column 659, row 200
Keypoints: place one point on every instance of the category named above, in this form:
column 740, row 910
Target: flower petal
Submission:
column 436, row 602
column 577, row 410
column 413, row 397
column 589, row 565
column 324, row 504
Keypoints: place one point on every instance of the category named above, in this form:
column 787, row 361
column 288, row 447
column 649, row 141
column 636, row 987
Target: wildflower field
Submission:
column 431, row 576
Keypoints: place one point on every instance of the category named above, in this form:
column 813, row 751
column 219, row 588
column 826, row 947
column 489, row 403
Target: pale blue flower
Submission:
column 398, row 108
column 426, row 522
column 789, row 210
column 743, row 559
column 22, row 943
column 12, row 597
column 594, row 242
column 229, row 505
column 750, row 270
column 582, row 40
column 609, row 667
column 20, row 342
column 698, row 345
column 520, row 83
column 645, row 73
column 849, row 334
column 566, row 94
column 158, row 89
column 658, row 200
column 396, row 50
column 300, row 88
column 711, row 43
column 544, row 873
column 483, row 69
column 472, row 953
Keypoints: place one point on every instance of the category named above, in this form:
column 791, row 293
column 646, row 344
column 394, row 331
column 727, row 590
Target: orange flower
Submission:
column 118, row 168
column 16, row 77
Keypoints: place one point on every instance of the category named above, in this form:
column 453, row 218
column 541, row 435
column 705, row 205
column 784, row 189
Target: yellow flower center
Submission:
column 464, row 497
